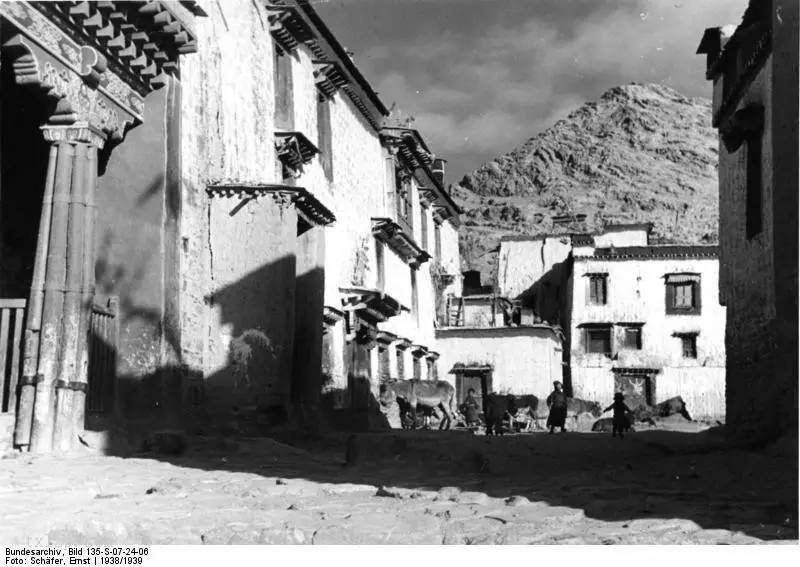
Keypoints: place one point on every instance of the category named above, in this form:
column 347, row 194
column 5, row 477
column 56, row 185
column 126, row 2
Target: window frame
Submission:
column 690, row 340
column 754, row 204
column 672, row 282
column 593, row 278
column 638, row 343
column 588, row 339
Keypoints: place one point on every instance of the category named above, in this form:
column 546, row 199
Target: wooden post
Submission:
column 71, row 314
column 53, row 304
column 22, row 428
column 87, row 297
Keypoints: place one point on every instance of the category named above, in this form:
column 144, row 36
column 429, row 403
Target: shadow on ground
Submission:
column 648, row 475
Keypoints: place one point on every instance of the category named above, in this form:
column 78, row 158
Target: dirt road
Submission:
column 411, row 487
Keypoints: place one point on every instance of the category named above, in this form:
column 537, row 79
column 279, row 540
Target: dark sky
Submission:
column 482, row 76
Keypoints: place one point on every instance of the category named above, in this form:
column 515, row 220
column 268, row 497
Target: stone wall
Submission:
column 758, row 282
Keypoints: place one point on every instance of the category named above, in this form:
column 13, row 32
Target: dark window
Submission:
column 284, row 107
column 753, row 206
column 598, row 288
column 379, row 260
column 437, row 237
column 424, row 227
column 414, row 296
column 404, row 208
column 401, row 364
column 632, row 337
column 383, row 364
column 689, row 345
column 598, row 340
column 683, row 294
column 324, row 139
column 417, row 368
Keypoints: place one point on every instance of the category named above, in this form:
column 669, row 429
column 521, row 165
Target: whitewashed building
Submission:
column 639, row 318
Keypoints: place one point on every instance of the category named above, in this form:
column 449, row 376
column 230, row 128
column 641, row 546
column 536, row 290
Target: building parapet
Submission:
column 651, row 253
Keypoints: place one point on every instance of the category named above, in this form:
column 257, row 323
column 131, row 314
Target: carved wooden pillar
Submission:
column 54, row 375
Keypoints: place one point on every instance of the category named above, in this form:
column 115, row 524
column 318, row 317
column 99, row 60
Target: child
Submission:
column 621, row 411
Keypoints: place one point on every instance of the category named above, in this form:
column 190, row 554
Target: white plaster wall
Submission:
column 636, row 294
column 526, row 360
column 521, row 263
column 451, row 257
column 227, row 121
column 621, row 237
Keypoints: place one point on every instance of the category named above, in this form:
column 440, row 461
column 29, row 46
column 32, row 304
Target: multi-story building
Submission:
column 754, row 69
column 646, row 321
column 636, row 318
column 260, row 236
column 489, row 344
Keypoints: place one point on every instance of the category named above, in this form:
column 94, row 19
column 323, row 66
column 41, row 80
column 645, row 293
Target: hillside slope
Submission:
column 643, row 152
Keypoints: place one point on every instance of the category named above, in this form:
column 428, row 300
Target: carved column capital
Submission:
column 74, row 133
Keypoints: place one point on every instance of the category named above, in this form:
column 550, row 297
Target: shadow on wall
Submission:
column 549, row 297
column 252, row 340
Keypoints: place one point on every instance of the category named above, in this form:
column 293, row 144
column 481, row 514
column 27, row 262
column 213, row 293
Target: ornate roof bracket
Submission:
column 391, row 233
column 142, row 40
column 313, row 211
column 329, row 77
column 294, row 150
column 97, row 59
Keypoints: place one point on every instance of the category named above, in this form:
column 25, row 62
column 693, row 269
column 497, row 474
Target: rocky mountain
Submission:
column 642, row 153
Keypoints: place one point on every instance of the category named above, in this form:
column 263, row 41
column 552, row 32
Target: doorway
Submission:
column 637, row 385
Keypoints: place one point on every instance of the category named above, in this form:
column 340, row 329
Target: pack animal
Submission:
column 500, row 407
column 409, row 394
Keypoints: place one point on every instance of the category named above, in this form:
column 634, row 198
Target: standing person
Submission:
column 470, row 408
column 620, row 420
column 557, row 402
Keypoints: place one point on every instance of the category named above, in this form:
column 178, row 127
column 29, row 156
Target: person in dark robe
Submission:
column 619, row 423
column 470, row 409
column 557, row 402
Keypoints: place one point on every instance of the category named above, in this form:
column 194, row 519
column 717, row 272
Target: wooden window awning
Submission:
column 461, row 368
column 388, row 231
column 329, row 77
column 419, row 351
column 636, row 371
column 372, row 305
column 331, row 315
column 682, row 278
column 287, row 27
column 294, row 149
column 308, row 206
column 385, row 337
column 312, row 209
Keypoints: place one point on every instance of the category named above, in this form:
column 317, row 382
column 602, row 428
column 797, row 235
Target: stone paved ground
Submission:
column 404, row 487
